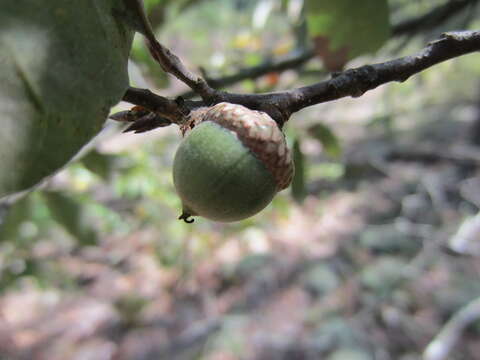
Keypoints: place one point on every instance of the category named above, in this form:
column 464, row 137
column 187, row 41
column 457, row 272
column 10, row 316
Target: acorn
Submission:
column 230, row 164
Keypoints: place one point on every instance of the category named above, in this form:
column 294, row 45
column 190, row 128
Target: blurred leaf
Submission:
column 320, row 280
column 179, row 5
column 253, row 59
column 327, row 138
column 336, row 331
column 350, row 354
column 333, row 60
column 129, row 307
column 72, row 216
column 150, row 68
column 12, row 217
column 64, row 64
column 251, row 266
column 327, row 170
column 299, row 191
column 18, row 268
column 345, row 29
column 387, row 239
column 248, row 41
column 384, row 122
column 99, row 164
column 384, row 274
column 150, row 4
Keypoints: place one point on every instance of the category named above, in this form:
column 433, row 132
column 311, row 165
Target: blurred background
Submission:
column 373, row 253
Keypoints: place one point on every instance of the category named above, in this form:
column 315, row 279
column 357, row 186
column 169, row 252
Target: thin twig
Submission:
column 167, row 108
column 441, row 346
column 270, row 66
column 465, row 155
column 356, row 82
column 282, row 104
column 433, row 18
column 408, row 27
column 169, row 62
column 352, row 82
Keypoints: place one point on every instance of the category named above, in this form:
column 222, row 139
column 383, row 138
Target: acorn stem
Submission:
column 185, row 217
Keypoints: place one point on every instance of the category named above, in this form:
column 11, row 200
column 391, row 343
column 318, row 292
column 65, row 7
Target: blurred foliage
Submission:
column 360, row 251
column 327, row 138
column 128, row 191
column 299, row 191
column 71, row 215
column 363, row 30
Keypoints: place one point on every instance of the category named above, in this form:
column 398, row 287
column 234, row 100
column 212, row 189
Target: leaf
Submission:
column 63, row 65
column 150, row 4
column 12, row 216
column 99, row 164
column 345, row 29
column 148, row 65
column 327, row 138
column 72, row 216
column 299, row 191
column 333, row 60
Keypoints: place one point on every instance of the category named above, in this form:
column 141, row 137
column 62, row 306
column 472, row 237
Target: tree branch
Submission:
column 429, row 20
column 355, row 82
column 169, row 62
column 291, row 62
column 352, row 82
column 281, row 105
column 433, row 18
column 441, row 346
column 169, row 109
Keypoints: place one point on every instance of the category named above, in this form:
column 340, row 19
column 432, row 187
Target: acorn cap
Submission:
column 258, row 132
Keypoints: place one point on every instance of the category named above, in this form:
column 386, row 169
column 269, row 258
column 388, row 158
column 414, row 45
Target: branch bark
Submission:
column 433, row 18
column 409, row 27
column 353, row 82
column 291, row 62
column 169, row 62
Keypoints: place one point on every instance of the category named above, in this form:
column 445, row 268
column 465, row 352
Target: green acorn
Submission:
column 231, row 164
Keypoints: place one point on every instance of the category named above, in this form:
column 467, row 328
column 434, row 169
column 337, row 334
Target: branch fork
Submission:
column 281, row 105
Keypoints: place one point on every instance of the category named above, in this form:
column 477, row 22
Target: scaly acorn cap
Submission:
column 257, row 131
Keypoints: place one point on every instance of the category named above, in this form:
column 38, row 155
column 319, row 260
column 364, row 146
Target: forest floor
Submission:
column 380, row 264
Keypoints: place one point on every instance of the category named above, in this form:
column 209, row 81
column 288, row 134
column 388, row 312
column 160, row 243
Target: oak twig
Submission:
column 353, row 82
column 169, row 62
column 433, row 18
column 441, row 346
column 270, row 66
column 409, row 27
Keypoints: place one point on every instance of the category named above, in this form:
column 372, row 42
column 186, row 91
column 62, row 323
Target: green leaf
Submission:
column 72, row 216
column 63, row 65
column 100, row 164
column 299, row 191
column 327, row 138
column 150, row 4
column 12, row 217
column 148, row 65
column 359, row 27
